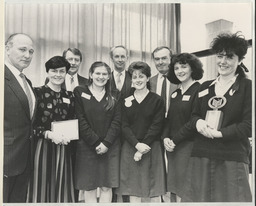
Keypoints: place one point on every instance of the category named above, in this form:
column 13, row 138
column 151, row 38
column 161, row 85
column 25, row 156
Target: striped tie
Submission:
column 28, row 93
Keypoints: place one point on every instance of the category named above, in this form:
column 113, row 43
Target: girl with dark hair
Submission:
column 98, row 149
column 177, row 137
column 142, row 173
column 222, row 115
column 53, row 178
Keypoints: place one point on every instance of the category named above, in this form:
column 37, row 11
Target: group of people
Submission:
column 139, row 136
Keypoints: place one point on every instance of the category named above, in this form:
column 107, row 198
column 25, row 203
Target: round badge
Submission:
column 217, row 102
column 174, row 94
column 128, row 103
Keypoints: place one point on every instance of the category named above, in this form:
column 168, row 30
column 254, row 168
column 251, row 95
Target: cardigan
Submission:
column 236, row 125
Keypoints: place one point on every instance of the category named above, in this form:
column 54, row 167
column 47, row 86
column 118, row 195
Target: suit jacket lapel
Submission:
column 17, row 90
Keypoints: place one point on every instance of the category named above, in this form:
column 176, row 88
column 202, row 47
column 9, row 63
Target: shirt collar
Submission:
column 217, row 80
column 123, row 73
column 74, row 76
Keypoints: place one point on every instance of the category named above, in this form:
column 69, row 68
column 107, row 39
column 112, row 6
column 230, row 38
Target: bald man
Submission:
column 19, row 107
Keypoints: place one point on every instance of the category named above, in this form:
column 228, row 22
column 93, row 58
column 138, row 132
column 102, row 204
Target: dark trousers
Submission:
column 15, row 187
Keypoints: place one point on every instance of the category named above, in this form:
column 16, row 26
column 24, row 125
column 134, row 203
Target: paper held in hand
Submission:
column 68, row 129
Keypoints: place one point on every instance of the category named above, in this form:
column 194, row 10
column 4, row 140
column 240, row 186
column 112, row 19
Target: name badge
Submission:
column 66, row 100
column 86, row 96
column 203, row 93
column 128, row 101
column 185, row 97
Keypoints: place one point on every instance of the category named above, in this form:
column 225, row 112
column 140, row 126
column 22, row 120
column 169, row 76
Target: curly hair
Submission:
column 231, row 44
column 185, row 58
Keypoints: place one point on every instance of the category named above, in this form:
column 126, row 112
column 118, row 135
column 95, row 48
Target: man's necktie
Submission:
column 72, row 83
column 163, row 91
column 118, row 81
column 28, row 93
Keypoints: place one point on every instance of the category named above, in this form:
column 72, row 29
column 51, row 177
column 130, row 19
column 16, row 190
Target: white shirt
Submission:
column 115, row 73
column 16, row 73
column 68, row 81
column 221, row 89
column 160, row 80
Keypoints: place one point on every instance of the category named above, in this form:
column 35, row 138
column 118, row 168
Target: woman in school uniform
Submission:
column 218, row 169
column 52, row 174
column 98, row 148
column 177, row 137
column 142, row 171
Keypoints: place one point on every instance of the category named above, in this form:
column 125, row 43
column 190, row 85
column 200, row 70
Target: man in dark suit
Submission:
column 121, row 78
column 121, row 82
column 73, row 79
column 159, row 83
column 19, row 107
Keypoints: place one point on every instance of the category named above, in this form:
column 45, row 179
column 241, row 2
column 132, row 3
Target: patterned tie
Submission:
column 28, row 93
column 163, row 91
column 118, row 81
column 72, row 83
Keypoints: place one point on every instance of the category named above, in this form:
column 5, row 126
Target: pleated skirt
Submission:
column 52, row 179
column 210, row 180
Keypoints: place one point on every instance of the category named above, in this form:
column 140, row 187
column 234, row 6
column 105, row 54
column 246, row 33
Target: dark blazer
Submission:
column 18, row 128
column 81, row 81
column 125, row 91
column 153, row 84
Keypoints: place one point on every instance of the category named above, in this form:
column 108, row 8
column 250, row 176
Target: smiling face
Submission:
column 57, row 76
column 99, row 76
column 139, row 80
column 162, row 60
column 227, row 64
column 183, row 72
column 119, row 58
column 74, row 61
column 20, row 51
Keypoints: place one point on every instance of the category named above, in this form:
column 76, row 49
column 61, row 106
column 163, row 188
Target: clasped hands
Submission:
column 101, row 149
column 205, row 129
column 57, row 138
column 142, row 148
column 169, row 145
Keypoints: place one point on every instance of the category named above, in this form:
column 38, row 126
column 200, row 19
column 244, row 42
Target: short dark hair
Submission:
column 75, row 51
column 57, row 62
column 143, row 67
column 231, row 44
column 160, row 48
column 119, row 46
column 186, row 58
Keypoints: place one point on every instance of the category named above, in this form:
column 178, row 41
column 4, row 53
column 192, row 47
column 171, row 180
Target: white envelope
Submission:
column 67, row 129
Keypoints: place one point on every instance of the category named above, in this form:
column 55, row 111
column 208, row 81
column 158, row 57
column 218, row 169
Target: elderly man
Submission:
column 122, row 79
column 159, row 83
column 162, row 86
column 19, row 107
column 122, row 82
